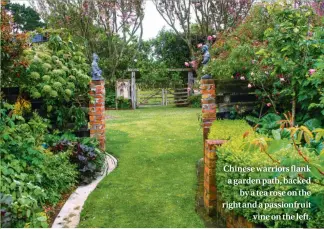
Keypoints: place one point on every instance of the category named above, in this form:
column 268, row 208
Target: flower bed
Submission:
column 38, row 167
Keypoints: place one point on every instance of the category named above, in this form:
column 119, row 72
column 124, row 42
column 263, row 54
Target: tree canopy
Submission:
column 25, row 18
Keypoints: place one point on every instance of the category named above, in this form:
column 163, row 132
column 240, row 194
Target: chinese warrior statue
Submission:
column 206, row 58
column 95, row 70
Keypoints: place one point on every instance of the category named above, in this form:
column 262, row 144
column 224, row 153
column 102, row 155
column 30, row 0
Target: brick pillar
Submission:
column 210, row 191
column 97, row 112
column 207, row 89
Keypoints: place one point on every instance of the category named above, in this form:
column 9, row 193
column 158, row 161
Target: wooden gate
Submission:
column 181, row 97
column 155, row 97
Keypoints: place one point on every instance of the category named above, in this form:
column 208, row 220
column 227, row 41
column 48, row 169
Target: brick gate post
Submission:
column 208, row 92
column 97, row 112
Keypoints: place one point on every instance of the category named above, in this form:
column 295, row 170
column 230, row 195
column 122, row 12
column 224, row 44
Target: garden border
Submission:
column 69, row 216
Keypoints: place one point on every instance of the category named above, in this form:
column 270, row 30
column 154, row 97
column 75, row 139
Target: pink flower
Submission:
column 249, row 85
column 311, row 71
column 209, row 38
column 187, row 64
column 268, row 104
column 282, row 79
column 199, row 45
column 194, row 64
column 242, row 78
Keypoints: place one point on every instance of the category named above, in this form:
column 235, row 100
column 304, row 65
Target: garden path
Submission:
column 155, row 182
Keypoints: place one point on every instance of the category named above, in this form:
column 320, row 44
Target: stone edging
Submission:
column 69, row 216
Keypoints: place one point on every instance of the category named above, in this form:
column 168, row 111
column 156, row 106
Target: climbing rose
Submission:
column 214, row 36
column 269, row 104
column 311, row 71
column 282, row 79
column 209, row 38
column 199, row 45
column 194, row 64
column 242, row 78
column 249, row 85
column 187, row 64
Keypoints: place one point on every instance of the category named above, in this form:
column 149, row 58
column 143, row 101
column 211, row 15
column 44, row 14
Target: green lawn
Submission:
column 155, row 182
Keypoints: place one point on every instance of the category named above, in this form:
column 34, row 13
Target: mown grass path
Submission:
column 155, row 182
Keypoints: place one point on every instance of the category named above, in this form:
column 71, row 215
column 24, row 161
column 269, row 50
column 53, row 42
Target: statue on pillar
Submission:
column 95, row 70
column 206, row 59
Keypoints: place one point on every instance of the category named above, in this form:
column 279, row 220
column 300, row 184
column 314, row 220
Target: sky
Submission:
column 152, row 23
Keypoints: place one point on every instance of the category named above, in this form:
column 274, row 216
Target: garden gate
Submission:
column 161, row 96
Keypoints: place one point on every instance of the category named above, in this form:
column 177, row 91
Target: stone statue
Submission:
column 206, row 58
column 95, row 70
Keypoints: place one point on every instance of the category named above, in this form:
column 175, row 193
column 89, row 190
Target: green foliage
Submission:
column 255, row 150
column 170, row 48
column 30, row 175
column 283, row 70
column 267, row 123
column 228, row 129
column 57, row 73
column 110, row 99
column 84, row 154
column 233, row 51
column 194, row 101
column 279, row 50
column 26, row 18
column 155, row 74
column 123, row 103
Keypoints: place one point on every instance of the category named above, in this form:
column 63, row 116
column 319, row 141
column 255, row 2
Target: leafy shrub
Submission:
column 195, row 101
column 57, row 74
column 30, row 175
column 227, row 129
column 88, row 159
column 123, row 103
column 247, row 151
column 110, row 99
column 59, row 176
column 266, row 124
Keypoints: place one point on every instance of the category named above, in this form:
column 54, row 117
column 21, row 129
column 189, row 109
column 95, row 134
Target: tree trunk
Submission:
column 293, row 108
